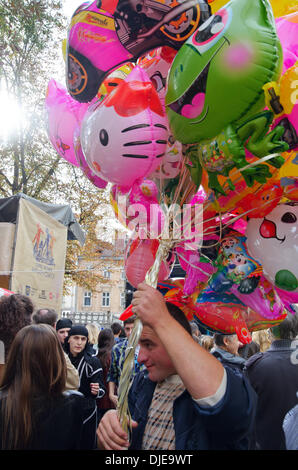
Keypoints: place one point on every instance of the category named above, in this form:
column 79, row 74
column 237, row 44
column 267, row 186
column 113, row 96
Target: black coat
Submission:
column 59, row 424
column 274, row 376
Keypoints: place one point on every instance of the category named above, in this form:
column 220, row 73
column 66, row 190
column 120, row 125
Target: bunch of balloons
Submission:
column 192, row 104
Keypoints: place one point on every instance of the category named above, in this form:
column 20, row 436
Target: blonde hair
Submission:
column 207, row 342
column 262, row 338
column 93, row 332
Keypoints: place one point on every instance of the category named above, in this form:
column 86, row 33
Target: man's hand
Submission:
column 94, row 387
column 110, row 435
column 148, row 303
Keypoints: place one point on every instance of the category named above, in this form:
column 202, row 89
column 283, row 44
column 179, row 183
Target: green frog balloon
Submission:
column 215, row 98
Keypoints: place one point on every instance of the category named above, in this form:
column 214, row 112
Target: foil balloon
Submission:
column 138, row 209
column 288, row 298
column 172, row 290
column 81, row 161
column 263, row 299
column 140, row 257
column 283, row 7
column 288, row 175
column 225, row 313
column 125, row 136
column 104, row 34
column 241, row 199
column 262, row 201
column 235, row 266
column 216, row 4
column 114, row 79
column 273, row 241
column 239, row 274
column 157, row 64
column 287, row 28
column 171, row 163
column 64, row 116
column 215, row 100
column 119, row 203
column 5, row 292
column 198, row 268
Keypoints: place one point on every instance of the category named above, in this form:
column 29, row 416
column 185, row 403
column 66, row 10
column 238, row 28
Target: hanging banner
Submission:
column 39, row 257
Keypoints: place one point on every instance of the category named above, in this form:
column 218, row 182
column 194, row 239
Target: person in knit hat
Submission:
column 88, row 366
column 62, row 327
column 90, row 372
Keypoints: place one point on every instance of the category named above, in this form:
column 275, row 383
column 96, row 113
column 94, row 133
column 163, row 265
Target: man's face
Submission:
column 128, row 329
column 62, row 334
column 76, row 344
column 154, row 356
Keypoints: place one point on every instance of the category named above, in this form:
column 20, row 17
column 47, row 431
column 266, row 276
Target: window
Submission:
column 87, row 298
column 123, row 275
column 106, row 274
column 105, row 299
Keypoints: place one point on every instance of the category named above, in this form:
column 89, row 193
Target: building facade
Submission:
column 104, row 305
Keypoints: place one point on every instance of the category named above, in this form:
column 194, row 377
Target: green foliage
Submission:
column 31, row 32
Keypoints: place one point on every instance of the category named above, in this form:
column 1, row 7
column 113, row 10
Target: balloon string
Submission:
column 193, row 265
column 259, row 161
column 125, row 382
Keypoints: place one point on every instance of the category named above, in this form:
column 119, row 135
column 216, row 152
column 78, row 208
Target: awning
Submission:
column 61, row 212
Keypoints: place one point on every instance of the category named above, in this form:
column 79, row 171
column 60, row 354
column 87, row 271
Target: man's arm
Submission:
column 112, row 393
column 201, row 373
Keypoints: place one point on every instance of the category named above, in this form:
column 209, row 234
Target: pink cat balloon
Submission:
column 125, row 136
column 64, row 117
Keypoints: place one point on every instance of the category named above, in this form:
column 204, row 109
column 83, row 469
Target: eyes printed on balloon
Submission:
column 159, row 82
column 268, row 228
column 289, row 218
column 209, row 33
column 103, row 137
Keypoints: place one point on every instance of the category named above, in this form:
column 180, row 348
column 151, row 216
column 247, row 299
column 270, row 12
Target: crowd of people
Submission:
column 189, row 390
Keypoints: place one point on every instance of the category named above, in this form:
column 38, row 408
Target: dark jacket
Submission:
column 274, row 376
column 225, row 357
column 59, row 423
column 223, row 426
column 90, row 371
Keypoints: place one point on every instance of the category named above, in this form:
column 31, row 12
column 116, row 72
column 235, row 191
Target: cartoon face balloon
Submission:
column 64, row 116
column 217, row 76
column 273, row 241
column 104, row 34
column 125, row 136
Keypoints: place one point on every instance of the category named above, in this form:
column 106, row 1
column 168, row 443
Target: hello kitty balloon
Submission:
column 125, row 136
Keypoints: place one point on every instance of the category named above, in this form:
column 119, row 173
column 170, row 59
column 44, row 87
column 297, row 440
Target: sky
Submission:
column 70, row 6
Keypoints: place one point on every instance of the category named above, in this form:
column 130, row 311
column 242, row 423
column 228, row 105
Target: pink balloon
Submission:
column 139, row 259
column 197, row 268
column 264, row 299
column 287, row 31
column 143, row 206
column 81, row 160
column 157, row 64
column 288, row 298
column 64, row 116
column 125, row 136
